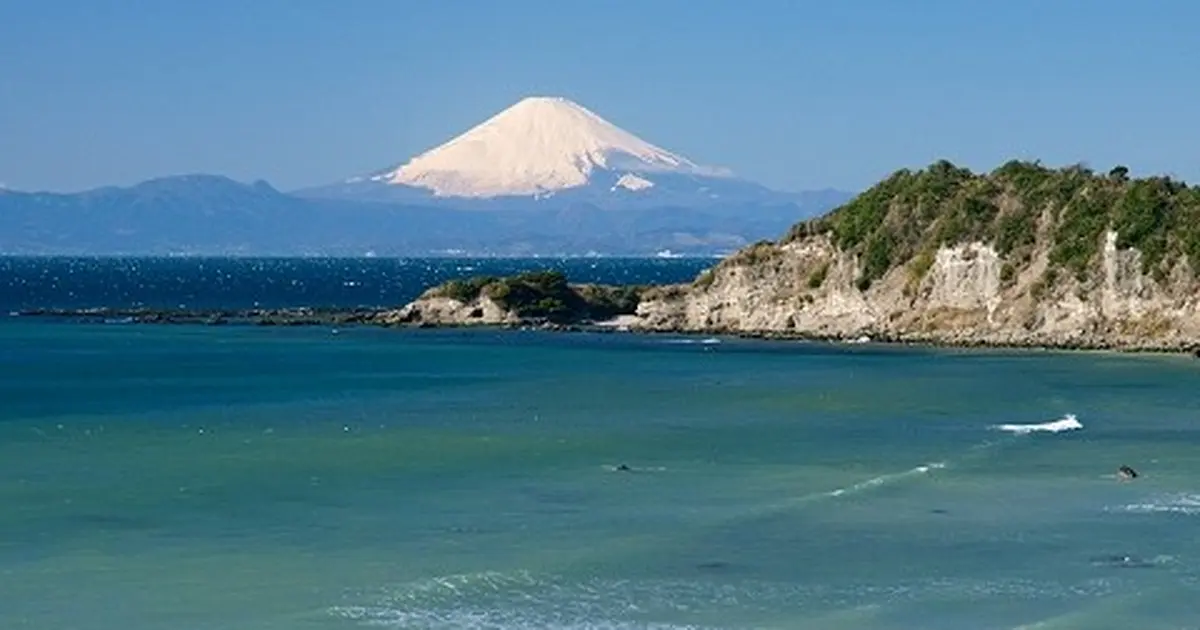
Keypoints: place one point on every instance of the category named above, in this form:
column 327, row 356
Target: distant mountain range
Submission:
column 544, row 177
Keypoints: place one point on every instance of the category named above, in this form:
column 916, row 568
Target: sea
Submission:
column 309, row 478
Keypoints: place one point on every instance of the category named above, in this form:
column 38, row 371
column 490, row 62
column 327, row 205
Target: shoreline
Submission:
column 367, row 317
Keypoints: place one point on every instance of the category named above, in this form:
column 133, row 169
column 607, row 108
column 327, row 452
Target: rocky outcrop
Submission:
column 809, row 288
column 439, row 310
column 541, row 297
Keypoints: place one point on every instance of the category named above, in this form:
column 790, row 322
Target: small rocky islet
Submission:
column 1024, row 256
column 538, row 298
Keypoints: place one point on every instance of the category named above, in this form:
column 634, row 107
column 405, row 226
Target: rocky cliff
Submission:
column 1024, row 255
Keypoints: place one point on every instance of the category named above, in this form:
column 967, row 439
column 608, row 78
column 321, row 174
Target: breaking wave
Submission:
column 1067, row 423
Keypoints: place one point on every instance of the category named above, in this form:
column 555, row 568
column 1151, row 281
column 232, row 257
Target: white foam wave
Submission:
column 875, row 482
column 516, row 601
column 520, row 600
column 707, row 341
column 1182, row 503
column 1067, row 423
column 476, row 619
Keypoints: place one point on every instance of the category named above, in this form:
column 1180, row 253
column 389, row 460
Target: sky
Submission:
column 793, row 94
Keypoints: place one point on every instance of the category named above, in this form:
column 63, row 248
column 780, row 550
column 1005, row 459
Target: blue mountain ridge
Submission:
column 215, row 215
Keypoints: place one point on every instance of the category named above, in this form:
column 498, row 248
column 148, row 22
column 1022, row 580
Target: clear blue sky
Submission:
column 793, row 94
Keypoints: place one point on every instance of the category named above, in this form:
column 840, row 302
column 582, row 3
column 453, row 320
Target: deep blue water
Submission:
column 29, row 282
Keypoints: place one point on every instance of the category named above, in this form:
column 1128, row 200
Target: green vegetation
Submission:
column 1008, row 274
column 465, row 290
column 1015, row 208
column 818, row 276
column 755, row 254
column 917, row 268
column 546, row 295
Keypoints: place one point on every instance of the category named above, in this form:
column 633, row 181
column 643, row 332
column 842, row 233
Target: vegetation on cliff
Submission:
column 545, row 295
column 1018, row 208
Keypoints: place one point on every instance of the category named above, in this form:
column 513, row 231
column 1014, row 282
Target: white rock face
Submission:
column 1124, row 285
column 966, row 276
column 538, row 146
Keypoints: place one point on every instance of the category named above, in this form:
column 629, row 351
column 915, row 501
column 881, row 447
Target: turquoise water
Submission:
column 250, row 478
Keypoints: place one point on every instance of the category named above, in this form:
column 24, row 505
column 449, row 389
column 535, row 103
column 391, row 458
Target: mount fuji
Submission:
column 546, row 152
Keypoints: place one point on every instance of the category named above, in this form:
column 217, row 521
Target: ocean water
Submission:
column 246, row 478
column 238, row 478
column 63, row 282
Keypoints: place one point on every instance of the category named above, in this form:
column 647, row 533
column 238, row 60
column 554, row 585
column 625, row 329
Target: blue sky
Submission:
column 794, row 94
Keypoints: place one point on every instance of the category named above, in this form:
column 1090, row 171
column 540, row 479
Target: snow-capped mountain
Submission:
column 551, row 150
column 538, row 146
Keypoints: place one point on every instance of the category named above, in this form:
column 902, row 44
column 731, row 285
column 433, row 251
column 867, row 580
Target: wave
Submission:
column 628, row 468
column 707, row 341
column 1180, row 503
column 520, row 600
column 1127, row 561
column 470, row 619
column 798, row 501
column 881, row 480
column 1067, row 423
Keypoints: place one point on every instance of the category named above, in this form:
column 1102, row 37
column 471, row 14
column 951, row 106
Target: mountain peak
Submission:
column 548, row 100
column 541, row 144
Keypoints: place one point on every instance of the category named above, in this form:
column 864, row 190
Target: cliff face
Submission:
column 947, row 256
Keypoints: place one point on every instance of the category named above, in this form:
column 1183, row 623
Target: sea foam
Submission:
column 1067, row 423
column 1182, row 503
column 521, row 600
column 881, row 480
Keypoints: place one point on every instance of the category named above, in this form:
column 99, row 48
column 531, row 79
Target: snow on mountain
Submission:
column 539, row 145
column 549, row 152
column 630, row 181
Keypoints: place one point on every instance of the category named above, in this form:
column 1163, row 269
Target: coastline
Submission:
column 375, row 317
